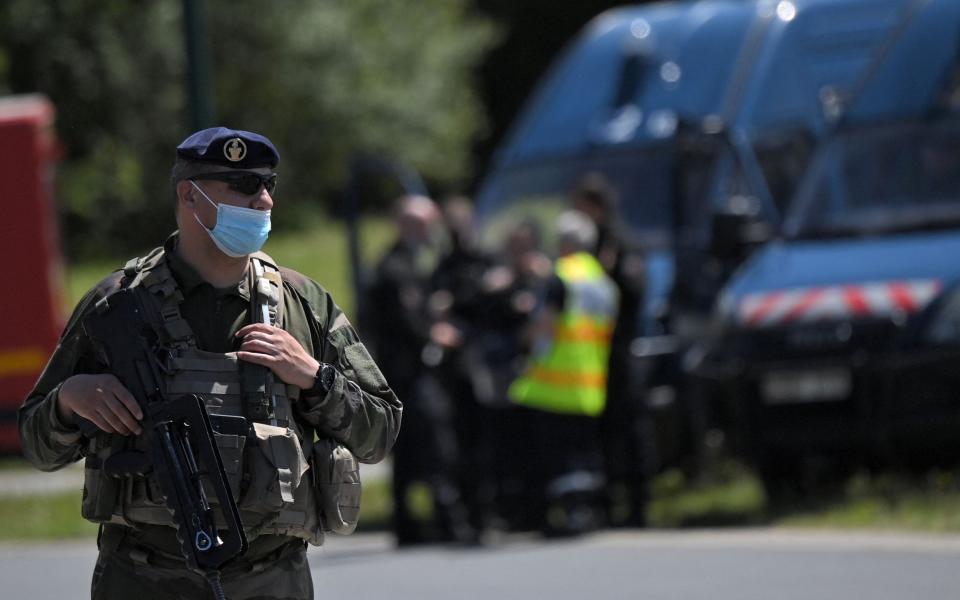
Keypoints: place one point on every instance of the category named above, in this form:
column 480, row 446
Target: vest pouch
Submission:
column 336, row 480
column 230, row 435
column 275, row 467
column 141, row 497
column 101, row 493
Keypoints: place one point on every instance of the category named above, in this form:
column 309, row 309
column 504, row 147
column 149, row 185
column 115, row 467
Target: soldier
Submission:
column 203, row 281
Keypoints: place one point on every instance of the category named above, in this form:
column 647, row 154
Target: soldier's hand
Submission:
column 102, row 400
column 279, row 351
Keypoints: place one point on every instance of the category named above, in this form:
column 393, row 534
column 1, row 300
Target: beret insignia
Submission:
column 235, row 150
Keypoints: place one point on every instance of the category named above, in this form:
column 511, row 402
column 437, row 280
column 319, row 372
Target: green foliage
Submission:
column 324, row 80
column 366, row 75
column 112, row 69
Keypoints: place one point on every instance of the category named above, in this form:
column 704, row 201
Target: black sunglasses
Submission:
column 245, row 182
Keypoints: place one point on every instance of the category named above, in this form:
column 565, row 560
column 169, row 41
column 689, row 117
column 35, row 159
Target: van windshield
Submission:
column 882, row 180
column 539, row 191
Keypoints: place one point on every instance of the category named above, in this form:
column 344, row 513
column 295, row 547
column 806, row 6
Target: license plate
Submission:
column 811, row 385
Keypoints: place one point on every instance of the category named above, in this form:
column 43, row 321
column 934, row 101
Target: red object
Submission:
column 31, row 297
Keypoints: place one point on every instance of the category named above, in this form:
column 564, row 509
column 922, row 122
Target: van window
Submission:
column 541, row 190
column 883, row 180
column 783, row 160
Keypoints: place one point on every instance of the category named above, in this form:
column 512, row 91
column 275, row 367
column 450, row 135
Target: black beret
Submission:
column 229, row 148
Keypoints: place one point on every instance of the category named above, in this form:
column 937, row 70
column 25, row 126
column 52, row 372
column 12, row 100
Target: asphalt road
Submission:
column 751, row 564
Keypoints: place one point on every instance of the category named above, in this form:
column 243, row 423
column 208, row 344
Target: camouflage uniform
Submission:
column 126, row 569
column 363, row 415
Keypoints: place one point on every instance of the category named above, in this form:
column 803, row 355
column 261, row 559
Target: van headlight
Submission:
column 943, row 328
column 724, row 314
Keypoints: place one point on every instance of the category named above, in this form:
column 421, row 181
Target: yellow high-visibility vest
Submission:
column 570, row 376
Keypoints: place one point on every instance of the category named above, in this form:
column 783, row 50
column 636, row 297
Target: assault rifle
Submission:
column 182, row 451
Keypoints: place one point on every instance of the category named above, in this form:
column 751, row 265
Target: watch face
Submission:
column 327, row 375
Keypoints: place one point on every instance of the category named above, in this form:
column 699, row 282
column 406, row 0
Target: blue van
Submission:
column 839, row 341
column 704, row 115
column 833, row 346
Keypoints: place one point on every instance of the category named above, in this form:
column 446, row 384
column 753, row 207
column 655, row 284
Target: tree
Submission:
column 322, row 79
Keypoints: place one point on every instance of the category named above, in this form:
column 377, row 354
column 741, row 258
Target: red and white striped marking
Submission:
column 874, row 299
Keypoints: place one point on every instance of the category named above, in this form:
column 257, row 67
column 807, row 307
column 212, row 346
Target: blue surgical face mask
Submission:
column 239, row 231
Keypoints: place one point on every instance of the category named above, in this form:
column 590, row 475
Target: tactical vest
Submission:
column 266, row 467
column 570, row 375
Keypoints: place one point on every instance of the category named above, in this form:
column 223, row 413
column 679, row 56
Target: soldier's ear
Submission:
column 185, row 193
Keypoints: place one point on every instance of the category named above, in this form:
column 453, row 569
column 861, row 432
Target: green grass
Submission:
column 914, row 511
column 57, row 516
column 729, row 496
column 375, row 505
column 14, row 463
column 43, row 518
column 930, row 502
column 732, row 495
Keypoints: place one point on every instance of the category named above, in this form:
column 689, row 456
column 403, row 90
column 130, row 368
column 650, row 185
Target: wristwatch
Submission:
column 324, row 380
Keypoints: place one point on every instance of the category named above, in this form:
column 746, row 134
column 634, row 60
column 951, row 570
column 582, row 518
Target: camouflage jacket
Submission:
column 360, row 411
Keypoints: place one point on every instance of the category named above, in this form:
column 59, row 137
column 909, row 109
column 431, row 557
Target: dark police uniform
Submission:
column 624, row 430
column 461, row 373
column 516, row 495
column 427, row 451
column 139, row 554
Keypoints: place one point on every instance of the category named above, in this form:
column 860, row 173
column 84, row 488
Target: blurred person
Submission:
column 623, row 427
column 199, row 292
column 405, row 336
column 511, row 290
column 565, row 380
column 458, row 304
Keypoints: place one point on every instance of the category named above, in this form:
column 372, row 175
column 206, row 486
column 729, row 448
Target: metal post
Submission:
column 200, row 96
column 351, row 216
